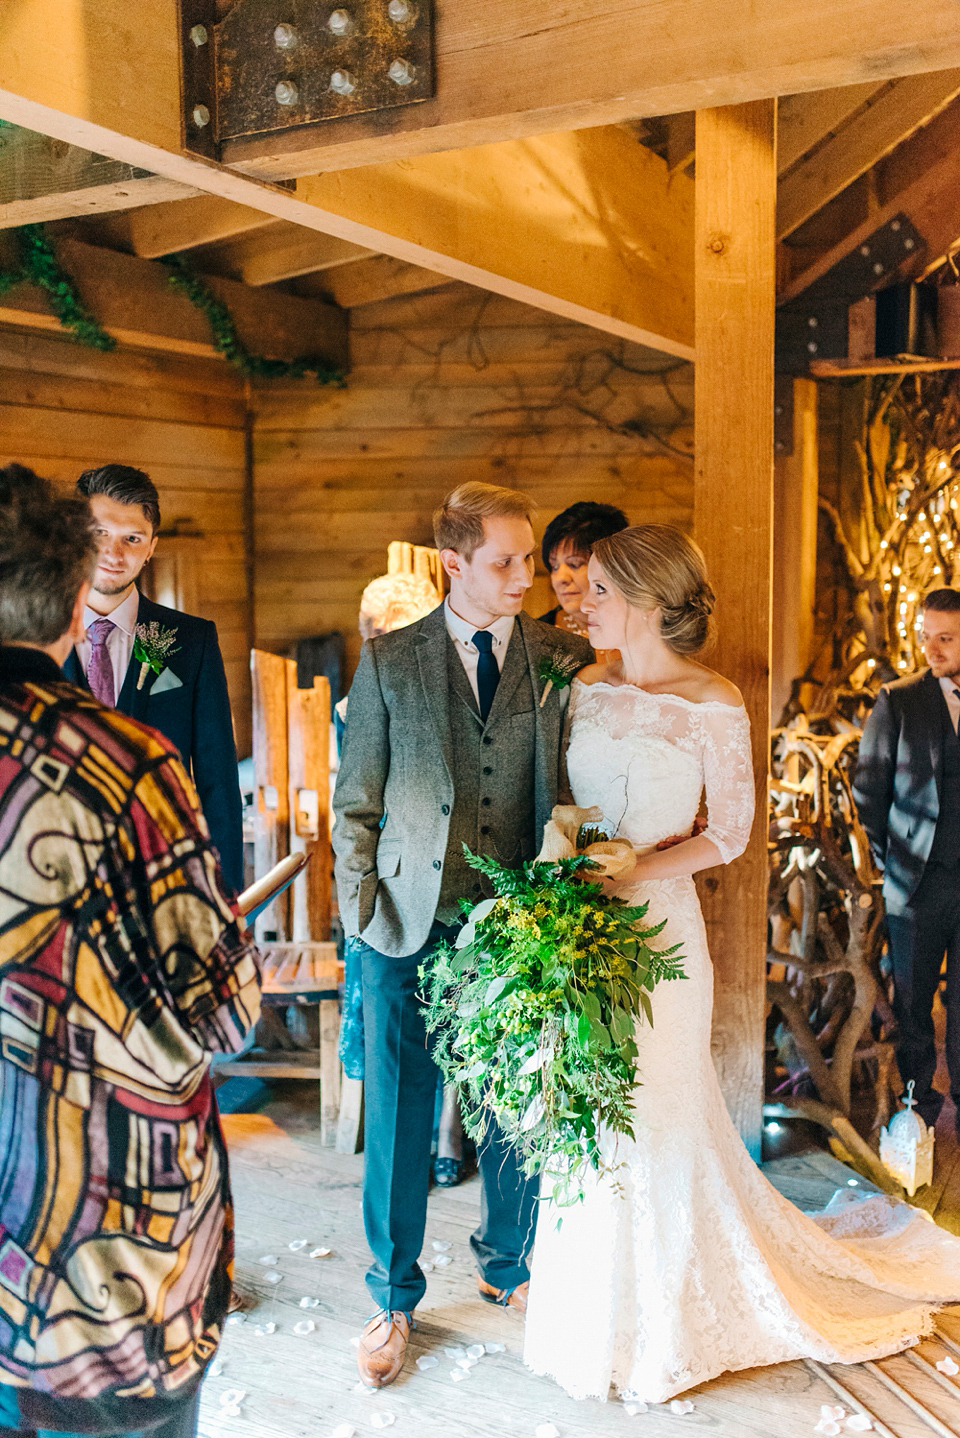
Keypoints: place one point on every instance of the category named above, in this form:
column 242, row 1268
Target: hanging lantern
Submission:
column 906, row 1147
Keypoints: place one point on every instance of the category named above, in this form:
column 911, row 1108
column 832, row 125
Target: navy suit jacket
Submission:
column 897, row 783
column 195, row 716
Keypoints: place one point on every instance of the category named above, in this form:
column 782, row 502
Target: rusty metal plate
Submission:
column 282, row 64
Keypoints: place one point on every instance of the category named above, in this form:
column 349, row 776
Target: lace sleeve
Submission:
column 728, row 778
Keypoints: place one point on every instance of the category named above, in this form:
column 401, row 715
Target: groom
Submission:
column 446, row 745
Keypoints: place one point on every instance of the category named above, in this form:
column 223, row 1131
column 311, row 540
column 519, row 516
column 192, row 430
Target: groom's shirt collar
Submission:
column 461, row 632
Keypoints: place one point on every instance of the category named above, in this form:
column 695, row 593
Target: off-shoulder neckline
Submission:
column 677, row 698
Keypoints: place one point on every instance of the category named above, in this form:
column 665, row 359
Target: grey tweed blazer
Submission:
column 398, row 771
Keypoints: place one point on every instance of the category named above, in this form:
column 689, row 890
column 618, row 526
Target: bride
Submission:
column 687, row 1263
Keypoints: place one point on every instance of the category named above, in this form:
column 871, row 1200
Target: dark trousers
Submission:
column 919, row 938
column 400, row 1093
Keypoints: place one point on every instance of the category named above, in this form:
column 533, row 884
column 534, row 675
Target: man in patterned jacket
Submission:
column 122, row 966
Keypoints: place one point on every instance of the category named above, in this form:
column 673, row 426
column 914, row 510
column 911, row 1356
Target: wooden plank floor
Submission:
column 288, row 1188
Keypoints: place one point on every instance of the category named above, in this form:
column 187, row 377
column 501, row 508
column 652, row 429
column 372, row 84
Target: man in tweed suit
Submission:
column 446, row 745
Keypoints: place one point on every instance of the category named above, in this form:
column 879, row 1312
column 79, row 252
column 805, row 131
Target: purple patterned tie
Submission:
column 100, row 673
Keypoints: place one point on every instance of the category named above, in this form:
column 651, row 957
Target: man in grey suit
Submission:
column 907, row 789
column 446, row 744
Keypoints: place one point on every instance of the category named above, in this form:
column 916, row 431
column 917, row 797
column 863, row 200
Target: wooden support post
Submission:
column 308, row 712
column 795, row 479
column 735, row 214
column 271, row 805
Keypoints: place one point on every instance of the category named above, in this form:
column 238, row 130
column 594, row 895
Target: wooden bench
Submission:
column 306, row 973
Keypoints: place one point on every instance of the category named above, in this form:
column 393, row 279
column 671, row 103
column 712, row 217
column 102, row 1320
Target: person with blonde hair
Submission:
column 447, row 745
column 684, row 1262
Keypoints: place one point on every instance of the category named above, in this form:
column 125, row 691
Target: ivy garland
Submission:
column 227, row 342
column 39, row 266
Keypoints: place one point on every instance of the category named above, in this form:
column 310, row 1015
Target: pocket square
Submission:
column 165, row 681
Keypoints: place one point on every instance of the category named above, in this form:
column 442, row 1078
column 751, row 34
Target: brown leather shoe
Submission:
column 383, row 1347
column 505, row 1297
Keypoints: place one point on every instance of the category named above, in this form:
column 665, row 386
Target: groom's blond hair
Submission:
column 458, row 523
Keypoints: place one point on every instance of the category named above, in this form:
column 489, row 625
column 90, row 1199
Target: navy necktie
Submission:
column 488, row 671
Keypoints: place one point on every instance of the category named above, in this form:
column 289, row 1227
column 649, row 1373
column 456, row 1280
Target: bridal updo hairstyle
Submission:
column 655, row 566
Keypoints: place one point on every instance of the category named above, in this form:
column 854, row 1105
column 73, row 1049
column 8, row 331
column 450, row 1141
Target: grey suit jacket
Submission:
column 398, row 770
column 897, row 783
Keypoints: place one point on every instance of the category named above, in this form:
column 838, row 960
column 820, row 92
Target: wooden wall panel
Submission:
column 64, row 409
column 449, row 386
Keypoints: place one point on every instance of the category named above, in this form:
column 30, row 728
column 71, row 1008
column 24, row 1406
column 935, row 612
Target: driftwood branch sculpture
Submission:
column 826, row 925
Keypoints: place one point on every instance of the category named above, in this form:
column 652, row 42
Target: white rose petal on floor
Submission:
column 296, row 1244
column 306, row 1325
column 427, row 1361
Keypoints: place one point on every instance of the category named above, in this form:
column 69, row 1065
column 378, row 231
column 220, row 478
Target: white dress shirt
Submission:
column 462, row 635
column 119, row 641
column 950, row 687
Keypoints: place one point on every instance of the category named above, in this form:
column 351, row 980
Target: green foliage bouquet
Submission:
column 535, row 1011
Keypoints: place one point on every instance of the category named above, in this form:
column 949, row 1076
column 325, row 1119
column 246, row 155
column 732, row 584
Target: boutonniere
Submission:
column 152, row 647
column 556, row 671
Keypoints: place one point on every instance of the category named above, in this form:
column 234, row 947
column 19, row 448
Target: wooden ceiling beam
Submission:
column 894, row 115
column 43, row 179
column 506, row 71
column 804, row 121
column 279, row 251
column 169, row 229
column 531, row 66
column 133, row 301
column 589, row 225
column 91, row 200
column 921, row 180
column 367, row 281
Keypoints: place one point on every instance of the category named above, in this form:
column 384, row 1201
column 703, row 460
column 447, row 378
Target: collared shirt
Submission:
column 462, row 632
column 124, row 967
column 950, row 687
column 119, row 640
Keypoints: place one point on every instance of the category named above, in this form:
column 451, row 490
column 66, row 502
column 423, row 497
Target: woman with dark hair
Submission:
column 567, row 545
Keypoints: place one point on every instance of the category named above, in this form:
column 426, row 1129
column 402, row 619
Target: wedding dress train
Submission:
column 687, row 1263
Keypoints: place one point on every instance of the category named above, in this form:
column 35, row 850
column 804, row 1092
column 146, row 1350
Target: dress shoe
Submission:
column 447, row 1172
column 505, row 1297
column 383, row 1347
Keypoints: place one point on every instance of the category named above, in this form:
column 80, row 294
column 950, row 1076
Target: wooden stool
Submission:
column 309, row 973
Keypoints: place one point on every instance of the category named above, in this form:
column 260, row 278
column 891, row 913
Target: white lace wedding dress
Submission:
column 690, row 1264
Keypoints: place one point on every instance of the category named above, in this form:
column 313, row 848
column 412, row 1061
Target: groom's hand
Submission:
column 699, row 824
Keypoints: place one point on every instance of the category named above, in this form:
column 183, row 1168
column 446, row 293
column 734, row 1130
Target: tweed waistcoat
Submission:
column 494, row 806
column 946, row 840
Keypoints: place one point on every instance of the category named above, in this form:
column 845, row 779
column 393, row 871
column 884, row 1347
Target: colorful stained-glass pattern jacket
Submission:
column 122, row 965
